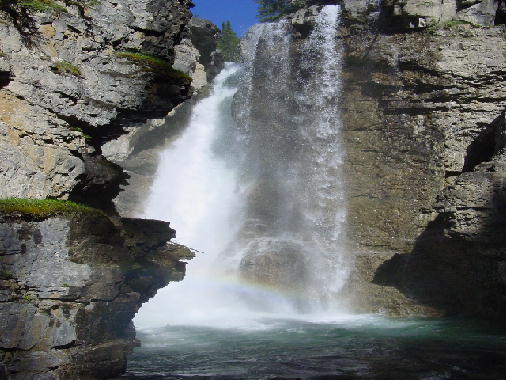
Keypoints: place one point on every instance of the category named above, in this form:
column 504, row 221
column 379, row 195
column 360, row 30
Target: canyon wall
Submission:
column 78, row 83
column 421, row 116
column 70, row 286
column 84, row 94
column 424, row 102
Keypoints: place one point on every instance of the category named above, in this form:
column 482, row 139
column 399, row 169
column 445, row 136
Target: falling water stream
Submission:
column 254, row 183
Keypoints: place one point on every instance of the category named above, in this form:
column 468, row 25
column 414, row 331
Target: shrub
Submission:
column 64, row 67
column 153, row 64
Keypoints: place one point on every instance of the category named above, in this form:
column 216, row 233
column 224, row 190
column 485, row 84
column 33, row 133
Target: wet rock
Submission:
column 279, row 265
column 3, row 372
column 74, row 285
column 424, row 138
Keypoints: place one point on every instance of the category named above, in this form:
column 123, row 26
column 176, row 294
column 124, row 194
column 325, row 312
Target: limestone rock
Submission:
column 66, row 87
column 416, row 14
column 72, row 286
column 423, row 126
column 204, row 36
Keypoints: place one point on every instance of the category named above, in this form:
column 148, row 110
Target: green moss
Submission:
column 6, row 275
column 449, row 25
column 38, row 5
column 76, row 129
column 43, row 208
column 64, row 67
column 154, row 64
column 47, row 5
column 453, row 23
column 28, row 298
column 83, row 3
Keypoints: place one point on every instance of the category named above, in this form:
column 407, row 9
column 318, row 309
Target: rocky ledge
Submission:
column 70, row 286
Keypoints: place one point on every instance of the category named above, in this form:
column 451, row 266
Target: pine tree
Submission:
column 229, row 43
column 271, row 10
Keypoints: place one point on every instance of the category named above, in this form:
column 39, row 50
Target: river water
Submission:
column 352, row 347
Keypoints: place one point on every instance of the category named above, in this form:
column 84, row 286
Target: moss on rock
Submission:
column 44, row 208
column 154, row 64
column 35, row 5
column 64, row 67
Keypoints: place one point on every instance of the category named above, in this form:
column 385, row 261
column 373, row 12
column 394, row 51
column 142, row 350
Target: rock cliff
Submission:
column 423, row 110
column 70, row 286
column 73, row 76
column 76, row 78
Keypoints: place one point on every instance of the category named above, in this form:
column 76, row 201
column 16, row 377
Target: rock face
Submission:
column 70, row 286
column 72, row 78
column 415, row 14
column 70, row 82
column 137, row 151
column 424, row 131
column 422, row 107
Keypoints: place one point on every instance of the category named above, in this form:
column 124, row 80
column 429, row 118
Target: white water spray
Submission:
column 262, row 200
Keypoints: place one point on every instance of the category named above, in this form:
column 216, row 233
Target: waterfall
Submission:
column 261, row 194
column 291, row 159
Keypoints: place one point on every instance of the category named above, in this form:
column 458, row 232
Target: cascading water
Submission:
column 291, row 160
column 262, row 198
column 195, row 190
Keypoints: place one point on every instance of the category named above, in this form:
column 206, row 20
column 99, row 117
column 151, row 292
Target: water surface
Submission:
column 359, row 347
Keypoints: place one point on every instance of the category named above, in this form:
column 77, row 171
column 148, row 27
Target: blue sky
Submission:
column 241, row 13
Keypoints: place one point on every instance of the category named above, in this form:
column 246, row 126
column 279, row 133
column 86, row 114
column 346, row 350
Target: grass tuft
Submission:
column 39, row 5
column 6, row 275
column 64, row 67
column 44, row 208
column 154, row 64
column 28, row 298
column 450, row 25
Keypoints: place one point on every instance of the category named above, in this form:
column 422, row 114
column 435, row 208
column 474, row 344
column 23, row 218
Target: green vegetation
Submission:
column 77, row 129
column 34, row 5
column 153, row 64
column 6, row 275
column 449, row 25
column 43, row 208
column 229, row 43
column 64, row 67
column 271, row 10
column 28, row 298
column 83, row 3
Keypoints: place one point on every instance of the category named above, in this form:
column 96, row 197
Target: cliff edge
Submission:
column 77, row 79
